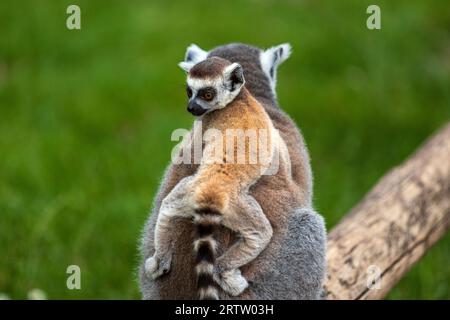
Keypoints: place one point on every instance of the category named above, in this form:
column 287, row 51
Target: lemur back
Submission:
column 218, row 193
column 296, row 252
column 216, row 184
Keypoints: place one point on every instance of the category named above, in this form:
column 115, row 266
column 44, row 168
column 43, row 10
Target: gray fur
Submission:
column 293, row 264
column 296, row 270
column 248, row 57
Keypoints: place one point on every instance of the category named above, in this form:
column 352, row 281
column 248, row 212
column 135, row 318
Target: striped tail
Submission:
column 205, row 247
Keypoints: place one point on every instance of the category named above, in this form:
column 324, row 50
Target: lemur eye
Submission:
column 208, row 96
column 189, row 92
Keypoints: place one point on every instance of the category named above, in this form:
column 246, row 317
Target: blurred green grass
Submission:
column 86, row 118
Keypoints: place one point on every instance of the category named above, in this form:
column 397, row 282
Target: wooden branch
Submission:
column 393, row 226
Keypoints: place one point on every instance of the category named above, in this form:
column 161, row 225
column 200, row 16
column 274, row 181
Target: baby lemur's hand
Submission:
column 156, row 266
column 231, row 281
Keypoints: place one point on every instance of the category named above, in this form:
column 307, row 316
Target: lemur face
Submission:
column 212, row 84
column 253, row 59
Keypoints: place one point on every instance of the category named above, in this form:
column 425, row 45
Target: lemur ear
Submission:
column 234, row 76
column 186, row 66
column 195, row 54
column 272, row 58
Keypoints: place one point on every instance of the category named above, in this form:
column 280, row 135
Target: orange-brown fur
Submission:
column 279, row 197
column 216, row 183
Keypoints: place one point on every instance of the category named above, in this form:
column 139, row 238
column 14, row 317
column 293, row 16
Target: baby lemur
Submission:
column 218, row 193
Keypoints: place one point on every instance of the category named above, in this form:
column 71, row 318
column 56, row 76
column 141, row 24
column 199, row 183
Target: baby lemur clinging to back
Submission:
column 218, row 193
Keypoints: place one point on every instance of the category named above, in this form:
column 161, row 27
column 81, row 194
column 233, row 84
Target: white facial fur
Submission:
column 222, row 85
column 271, row 59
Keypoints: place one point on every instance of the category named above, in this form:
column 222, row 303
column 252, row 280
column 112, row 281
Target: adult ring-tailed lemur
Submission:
column 292, row 266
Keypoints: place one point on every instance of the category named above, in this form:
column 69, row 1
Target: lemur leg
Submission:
column 175, row 205
column 247, row 218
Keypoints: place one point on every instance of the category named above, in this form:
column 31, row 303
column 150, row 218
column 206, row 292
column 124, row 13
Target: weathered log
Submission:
column 393, row 226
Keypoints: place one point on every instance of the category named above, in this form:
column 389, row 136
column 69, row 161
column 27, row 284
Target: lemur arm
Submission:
column 249, row 221
column 174, row 205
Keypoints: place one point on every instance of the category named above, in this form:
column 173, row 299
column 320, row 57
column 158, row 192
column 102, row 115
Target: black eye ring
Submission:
column 206, row 94
column 189, row 92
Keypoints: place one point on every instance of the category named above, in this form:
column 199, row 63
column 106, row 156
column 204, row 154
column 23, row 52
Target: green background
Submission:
column 86, row 117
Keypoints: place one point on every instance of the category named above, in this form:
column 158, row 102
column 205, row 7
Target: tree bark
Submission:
column 393, row 226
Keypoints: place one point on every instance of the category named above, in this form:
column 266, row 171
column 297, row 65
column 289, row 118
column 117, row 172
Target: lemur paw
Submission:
column 232, row 282
column 156, row 267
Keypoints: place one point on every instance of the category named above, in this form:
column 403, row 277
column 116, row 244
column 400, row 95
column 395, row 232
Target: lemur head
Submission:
column 260, row 66
column 212, row 84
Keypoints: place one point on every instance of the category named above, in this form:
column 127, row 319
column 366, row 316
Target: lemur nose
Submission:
column 195, row 109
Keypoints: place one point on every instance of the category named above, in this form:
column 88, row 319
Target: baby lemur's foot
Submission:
column 157, row 266
column 231, row 281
